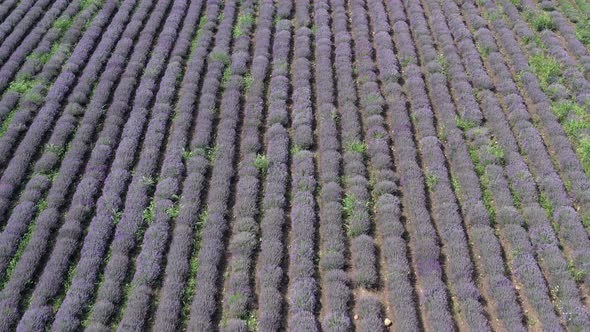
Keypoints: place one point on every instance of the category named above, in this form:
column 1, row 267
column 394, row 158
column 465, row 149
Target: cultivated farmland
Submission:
column 309, row 165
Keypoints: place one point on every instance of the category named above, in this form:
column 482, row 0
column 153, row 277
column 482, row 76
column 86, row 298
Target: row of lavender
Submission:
column 49, row 219
column 415, row 164
column 513, row 237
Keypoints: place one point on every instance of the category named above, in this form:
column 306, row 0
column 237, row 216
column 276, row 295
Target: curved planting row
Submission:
column 303, row 288
column 49, row 174
column 48, row 8
column 23, row 211
column 11, row 58
column 238, row 312
column 212, row 249
column 29, row 34
column 54, row 280
column 197, row 161
column 387, row 207
column 325, row 165
column 125, row 140
column 569, row 10
column 40, row 166
column 575, row 39
column 486, row 249
column 336, row 290
column 134, row 303
column 95, row 243
column 553, row 195
column 48, row 164
column 426, row 244
column 527, row 197
column 53, row 50
column 269, row 268
column 560, row 79
column 24, row 270
column 137, row 212
column 572, row 14
column 509, row 312
column 38, row 46
column 6, row 8
column 67, row 84
column 173, row 304
column 524, row 194
column 459, row 268
column 525, row 272
column 16, row 16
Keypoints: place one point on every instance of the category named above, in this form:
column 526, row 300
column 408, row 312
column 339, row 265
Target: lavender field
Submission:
column 308, row 165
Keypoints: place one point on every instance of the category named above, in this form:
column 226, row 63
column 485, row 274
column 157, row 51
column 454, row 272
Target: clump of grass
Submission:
column 356, row 146
column 248, row 80
column 173, row 211
column 243, row 22
column 22, row 85
column 149, row 213
column 261, row 162
column 541, row 21
column 487, row 198
column 62, row 24
column 226, row 76
column 431, row 181
column 495, row 150
column 583, row 32
column 212, row 153
column 116, row 216
column 33, row 97
column 484, row 51
column 57, row 150
column 86, row 3
column 584, row 153
column 371, row 99
column 456, row 185
column 219, row 56
column 195, row 40
column 573, row 127
column 479, row 168
column 577, row 274
column 465, row 124
column 561, row 109
column 406, row 61
column 237, row 32
column 252, row 321
column 533, row 39
column 296, row 149
column 546, row 68
column 442, row 133
column 187, row 154
column 546, row 204
column 148, row 181
column 351, row 206
column 194, row 267
column 41, row 57
column 515, row 253
column 443, row 63
column 348, row 204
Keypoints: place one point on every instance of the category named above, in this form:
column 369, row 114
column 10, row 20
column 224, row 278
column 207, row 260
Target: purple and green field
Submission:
column 308, row 165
